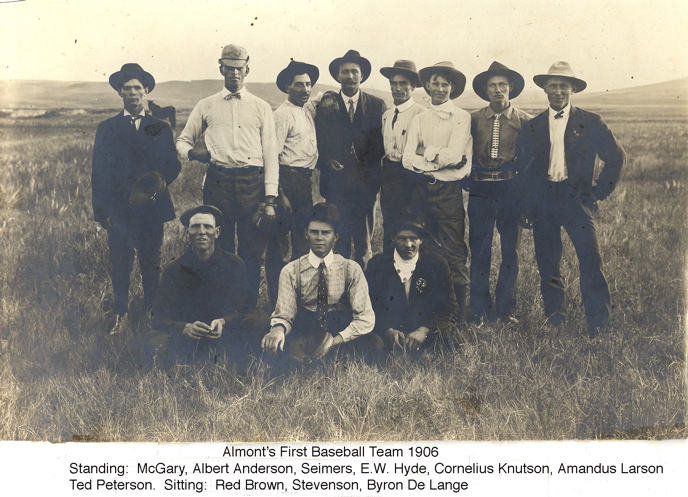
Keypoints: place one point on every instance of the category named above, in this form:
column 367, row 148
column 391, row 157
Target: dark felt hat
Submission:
column 326, row 213
column 132, row 71
column 446, row 68
column 286, row 75
column 560, row 69
column 350, row 56
column 202, row 209
column 404, row 67
column 497, row 69
column 147, row 189
column 409, row 222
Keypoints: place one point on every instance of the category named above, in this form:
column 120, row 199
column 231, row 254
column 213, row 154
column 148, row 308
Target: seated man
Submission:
column 323, row 298
column 202, row 293
column 411, row 290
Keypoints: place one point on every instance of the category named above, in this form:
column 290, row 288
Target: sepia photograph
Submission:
column 343, row 221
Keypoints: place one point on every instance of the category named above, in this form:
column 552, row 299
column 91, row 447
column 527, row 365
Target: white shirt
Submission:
column 354, row 98
column 557, row 156
column 295, row 129
column 238, row 133
column 395, row 139
column 405, row 269
column 137, row 123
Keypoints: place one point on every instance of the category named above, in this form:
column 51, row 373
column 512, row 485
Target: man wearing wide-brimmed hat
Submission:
column 298, row 153
column 395, row 190
column 438, row 155
column 241, row 153
column 559, row 150
column 493, row 199
column 410, row 288
column 134, row 161
column 348, row 125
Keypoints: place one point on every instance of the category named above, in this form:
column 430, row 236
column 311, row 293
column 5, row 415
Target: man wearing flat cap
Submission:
column 298, row 154
column 493, row 198
column 395, row 190
column 202, row 296
column 241, row 153
column 438, row 156
column 559, row 149
column 134, row 161
column 411, row 288
column 323, row 299
column 350, row 146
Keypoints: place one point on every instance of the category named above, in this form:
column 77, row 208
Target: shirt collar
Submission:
column 354, row 98
column 445, row 110
column 411, row 262
column 242, row 91
column 405, row 106
column 142, row 113
column 566, row 110
column 315, row 260
column 506, row 112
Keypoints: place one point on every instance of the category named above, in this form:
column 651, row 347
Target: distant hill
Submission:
column 44, row 94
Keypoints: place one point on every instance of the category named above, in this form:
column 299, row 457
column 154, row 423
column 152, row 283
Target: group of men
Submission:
column 520, row 171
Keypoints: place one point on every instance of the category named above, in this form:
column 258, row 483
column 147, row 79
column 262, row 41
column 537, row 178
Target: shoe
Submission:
column 121, row 324
column 556, row 320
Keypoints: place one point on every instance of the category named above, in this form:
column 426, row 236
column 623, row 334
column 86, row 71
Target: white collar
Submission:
column 354, row 98
column 142, row 113
column 405, row 106
column 315, row 260
column 565, row 115
column 411, row 262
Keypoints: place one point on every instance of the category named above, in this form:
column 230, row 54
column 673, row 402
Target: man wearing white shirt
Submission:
column 241, row 152
column 438, row 153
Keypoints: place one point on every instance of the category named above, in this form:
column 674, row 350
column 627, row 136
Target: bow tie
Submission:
column 233, row 95
column 559, row 115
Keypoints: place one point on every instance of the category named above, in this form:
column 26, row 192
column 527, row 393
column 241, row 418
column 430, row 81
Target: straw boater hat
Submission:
column 497, row 69
column 132, row 71
column 405, row 68
column 350, row 56
column 455, row 76
column 233, row 52
column 286, row 75
column 560, row 69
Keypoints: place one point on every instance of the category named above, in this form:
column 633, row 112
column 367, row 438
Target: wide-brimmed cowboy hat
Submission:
column 147, row 189
column 560, row 69
column 286, row 75
column 132, row 71
column 202, row 209
column 455, row 77
column 497, row 69
column 404, row 67
column 350, row 56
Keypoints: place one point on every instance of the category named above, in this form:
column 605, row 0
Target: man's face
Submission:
column 234, row 72
column 299, row 91
column 401, row 88
column 321, row 238
column 350, row 77
column 203, row 231
column 497, row 89
column 407, row 243
column 559, row 91
column 133, row 94
column 439, row 89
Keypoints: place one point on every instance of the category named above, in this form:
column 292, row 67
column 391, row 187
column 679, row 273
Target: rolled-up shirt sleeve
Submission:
column 192, row 131
column 285, row 309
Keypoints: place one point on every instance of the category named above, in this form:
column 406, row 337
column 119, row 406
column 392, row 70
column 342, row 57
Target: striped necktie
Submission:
column 494, row 151
column 351, row 110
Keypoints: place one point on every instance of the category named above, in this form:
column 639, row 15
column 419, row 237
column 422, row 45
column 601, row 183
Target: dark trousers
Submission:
column 145, row 239
column 441, row 204
column 237, row 194
column 395, row 193
column 493, row 203
column 296, row 186
column 559, row 206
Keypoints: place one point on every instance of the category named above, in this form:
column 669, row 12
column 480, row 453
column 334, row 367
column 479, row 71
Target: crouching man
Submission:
column 411, row 289
column 202, row 296
column 323, row 299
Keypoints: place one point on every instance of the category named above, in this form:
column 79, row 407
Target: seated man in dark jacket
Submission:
column 411, row 290
column 202, row 294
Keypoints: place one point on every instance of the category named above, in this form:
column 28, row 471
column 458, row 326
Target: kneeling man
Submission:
column 323, row 298
column 411, row 290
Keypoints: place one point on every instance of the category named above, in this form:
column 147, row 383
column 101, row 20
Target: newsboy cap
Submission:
column 202, row 209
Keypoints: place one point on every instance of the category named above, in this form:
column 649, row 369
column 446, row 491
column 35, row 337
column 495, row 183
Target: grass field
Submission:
column 62, row 378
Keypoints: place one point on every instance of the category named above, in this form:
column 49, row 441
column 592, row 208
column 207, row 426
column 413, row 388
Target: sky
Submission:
column 609, row 43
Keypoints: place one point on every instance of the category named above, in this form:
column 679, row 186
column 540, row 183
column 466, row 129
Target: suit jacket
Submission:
column 335, row 133
column 121, row 154
column 431, row 302
column 585, row 138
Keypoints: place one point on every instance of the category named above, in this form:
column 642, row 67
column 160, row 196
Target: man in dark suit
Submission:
column 349, row 133
column 411, row 290
column 559, row 148
column 134, row 159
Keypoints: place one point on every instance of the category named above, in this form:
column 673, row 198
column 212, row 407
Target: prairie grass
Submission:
column 62, row 378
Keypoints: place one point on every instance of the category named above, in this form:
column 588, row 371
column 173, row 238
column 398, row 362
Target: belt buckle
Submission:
column 494, row 175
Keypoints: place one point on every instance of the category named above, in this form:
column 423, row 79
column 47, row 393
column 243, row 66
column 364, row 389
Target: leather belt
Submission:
column 303, row 171
column 236, row 171
column 492, row 175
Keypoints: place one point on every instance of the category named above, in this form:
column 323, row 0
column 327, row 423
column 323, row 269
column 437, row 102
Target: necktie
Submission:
column 494, row 151
column 559, row 115
column 133, row 121
column 351, row 110
column 321, row 308
column 233, row 95
column 394, row 119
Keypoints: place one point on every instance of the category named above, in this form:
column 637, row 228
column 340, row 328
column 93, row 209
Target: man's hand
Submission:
column 397, row 338
column 335, row 165
column 284, row 202
column 200, row 155
column 273, row 340
column 216, row 328
column 196, row 330
column 328, row 102
column 264, row 215
column 416, row 338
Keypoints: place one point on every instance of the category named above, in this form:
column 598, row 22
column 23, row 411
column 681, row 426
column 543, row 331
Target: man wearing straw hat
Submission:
column 348, row 125
column 438, row 156
column 493, row 197
column 395, row 190
column 559, row 150
column 134, row 161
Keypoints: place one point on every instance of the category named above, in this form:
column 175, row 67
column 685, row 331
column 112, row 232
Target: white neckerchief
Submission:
column 443, row 111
